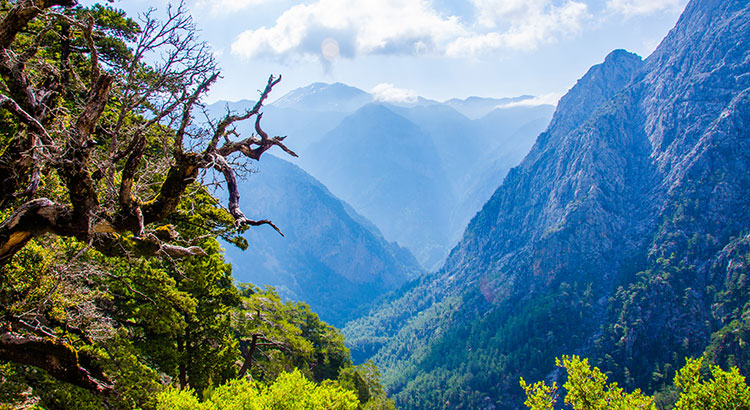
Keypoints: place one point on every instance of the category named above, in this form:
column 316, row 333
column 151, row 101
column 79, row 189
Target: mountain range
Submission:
column 621, row 236
column 418, row 169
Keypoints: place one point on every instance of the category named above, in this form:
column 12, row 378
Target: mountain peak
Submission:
column 477, row 107
column 320, row 96
column 597, row 86
column 621, row 56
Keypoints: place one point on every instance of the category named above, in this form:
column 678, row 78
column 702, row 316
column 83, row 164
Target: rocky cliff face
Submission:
column 612, row 238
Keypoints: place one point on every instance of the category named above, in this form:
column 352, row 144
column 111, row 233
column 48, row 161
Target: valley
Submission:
column 487, row 250
column 611, row 238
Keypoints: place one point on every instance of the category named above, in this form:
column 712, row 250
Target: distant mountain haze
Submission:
column 418, row 169
column 622, row 236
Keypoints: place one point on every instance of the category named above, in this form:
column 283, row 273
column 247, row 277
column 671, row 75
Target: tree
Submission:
column 725, row 390
column 268, row 328
column 184, row 326
column 99, row 145
column 276, row 336
column 365, row 380
column 291, row 391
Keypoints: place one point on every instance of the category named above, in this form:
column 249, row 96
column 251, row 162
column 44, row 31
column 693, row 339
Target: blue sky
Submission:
column 438, row 49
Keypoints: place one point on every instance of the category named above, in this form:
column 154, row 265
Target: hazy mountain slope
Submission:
column 476, row 154
column 613, row 238
column 328, row 258
column 388, row 170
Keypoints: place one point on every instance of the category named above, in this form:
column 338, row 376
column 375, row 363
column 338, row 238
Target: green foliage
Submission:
column 290, row 391
column 587, row 389
column 475, row 359
column 142, row 319
column 289, row 335
column 725, row 389
column 539, row 396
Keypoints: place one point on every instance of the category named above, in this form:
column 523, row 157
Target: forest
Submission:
column 115, row 188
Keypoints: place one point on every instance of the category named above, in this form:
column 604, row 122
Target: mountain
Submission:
column 425, row 200
column 330, row 257
column 477, row 107
column 388, row 170
column 622, row 236
column 336, row 97
column 475, row 154
column 304, row 125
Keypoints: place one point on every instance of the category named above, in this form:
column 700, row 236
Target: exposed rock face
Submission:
column 612, row 238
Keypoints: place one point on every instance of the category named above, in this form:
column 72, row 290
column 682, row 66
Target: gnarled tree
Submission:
column 107, row 108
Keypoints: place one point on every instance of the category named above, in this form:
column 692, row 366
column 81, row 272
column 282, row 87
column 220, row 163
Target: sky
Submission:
column 437, row 49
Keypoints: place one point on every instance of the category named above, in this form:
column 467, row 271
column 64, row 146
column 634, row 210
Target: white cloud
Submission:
column 223, row 7
column 492, row 12
column 387, row 92
column 534, row 22
column 551, row 99
column 474, row 45
column 358, row 26
column 640, row 7
column 411, row 27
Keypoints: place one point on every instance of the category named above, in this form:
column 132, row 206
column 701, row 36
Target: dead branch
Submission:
column 150, row 105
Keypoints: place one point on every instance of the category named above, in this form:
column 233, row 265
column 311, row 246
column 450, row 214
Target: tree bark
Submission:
column 60, row 360
column 20, row 16
column 249, row 357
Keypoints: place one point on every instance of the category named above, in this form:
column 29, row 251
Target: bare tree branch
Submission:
column 12, row 106
column 28, row 221
column 19, row 17
column 152, row 107
column 240, row 219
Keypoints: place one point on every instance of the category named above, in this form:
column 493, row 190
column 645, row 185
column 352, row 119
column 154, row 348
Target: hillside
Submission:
column 388, row 169
column 622, row 236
